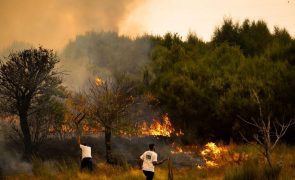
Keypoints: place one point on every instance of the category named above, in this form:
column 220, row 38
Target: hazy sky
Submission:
column 202, row 16
column 53, row 23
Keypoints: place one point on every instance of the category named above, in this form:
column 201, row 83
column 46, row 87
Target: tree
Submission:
column 228, row 32
column 76, row 112
column 25, row 78
column 268, row 131
column 252, row 37
column 109, row 105
column 40, row 122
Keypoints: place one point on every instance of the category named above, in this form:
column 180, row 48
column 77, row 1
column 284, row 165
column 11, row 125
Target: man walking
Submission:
column 148, row 161
column 86, row 162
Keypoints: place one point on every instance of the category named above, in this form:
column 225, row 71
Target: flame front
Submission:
column 158, row 128
column 212, row 154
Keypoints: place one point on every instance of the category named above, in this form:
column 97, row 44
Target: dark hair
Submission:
column 151, row 146
column 85, row 144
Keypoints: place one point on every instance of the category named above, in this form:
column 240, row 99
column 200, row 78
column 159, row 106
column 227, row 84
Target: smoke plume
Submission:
column 102, row 54
column 53, row 23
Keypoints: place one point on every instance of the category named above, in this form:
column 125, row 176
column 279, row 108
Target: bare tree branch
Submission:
column 268, row 134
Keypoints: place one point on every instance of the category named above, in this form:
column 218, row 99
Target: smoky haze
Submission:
column 10, row 161
column 95, row 54
column 53, row 23
column 103, row 54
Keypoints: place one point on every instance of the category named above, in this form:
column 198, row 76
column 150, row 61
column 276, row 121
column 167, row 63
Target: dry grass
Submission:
column 283, row 157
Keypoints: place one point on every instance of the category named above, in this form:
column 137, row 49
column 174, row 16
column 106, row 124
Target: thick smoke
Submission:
column 10, row 161
column 96, row 54
column 102, row 55
column 79, row 31
column 53, row 23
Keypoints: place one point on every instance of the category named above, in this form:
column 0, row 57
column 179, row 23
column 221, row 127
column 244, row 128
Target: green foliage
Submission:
column 204, row 86
column 228, row 32
column 252, row 37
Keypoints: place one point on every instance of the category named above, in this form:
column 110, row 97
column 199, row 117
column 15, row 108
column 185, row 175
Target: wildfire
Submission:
column 190, row 149
column 160, row 128
column 88, row 129
column 68, row 129
column 98, row 81
column 213, row 154
column 211, row 148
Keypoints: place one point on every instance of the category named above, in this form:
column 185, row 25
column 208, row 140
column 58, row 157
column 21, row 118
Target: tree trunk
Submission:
column 108, row 136
column 26, row 132
column 78, row 134
column 170, row 169
column 268, row 158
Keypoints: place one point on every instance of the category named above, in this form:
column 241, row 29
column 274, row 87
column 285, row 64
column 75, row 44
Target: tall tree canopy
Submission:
column 25, row 78
column 205, row 86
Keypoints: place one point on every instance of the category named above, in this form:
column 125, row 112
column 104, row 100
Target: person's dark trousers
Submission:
column 86, row 164
column 149, row 175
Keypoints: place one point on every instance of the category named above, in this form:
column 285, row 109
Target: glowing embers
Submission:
column 98, row 81
column 189, row 149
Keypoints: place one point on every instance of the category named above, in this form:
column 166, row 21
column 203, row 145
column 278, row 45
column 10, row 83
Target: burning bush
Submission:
column 160, row 128
column 213, row 155
column 210, row 156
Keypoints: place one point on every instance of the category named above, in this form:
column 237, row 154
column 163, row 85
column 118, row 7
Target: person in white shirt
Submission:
column 148, row 161
column 86, row 162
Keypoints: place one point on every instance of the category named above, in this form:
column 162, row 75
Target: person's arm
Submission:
column 156, row 162
column 140, row 161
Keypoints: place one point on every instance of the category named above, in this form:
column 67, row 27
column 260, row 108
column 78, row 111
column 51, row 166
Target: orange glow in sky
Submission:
column 53, row 23
column 202, row 16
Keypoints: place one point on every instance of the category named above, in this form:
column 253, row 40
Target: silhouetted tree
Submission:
column 227, row 33
column 25, row 78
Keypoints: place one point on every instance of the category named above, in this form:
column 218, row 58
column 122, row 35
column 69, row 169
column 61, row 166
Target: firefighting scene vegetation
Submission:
column 95, row 108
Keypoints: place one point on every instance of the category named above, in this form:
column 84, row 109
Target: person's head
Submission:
column 85, row 144
column 152, row 147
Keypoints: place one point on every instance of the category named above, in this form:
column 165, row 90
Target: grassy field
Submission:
column 252, row 168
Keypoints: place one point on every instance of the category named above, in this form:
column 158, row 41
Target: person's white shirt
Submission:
column 148, row 158
column 86, row 151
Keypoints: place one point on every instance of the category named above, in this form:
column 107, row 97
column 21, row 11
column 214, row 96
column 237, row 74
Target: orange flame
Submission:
column 158, row 128
column 190, row 149
column 212, row 154
column 98, row 81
